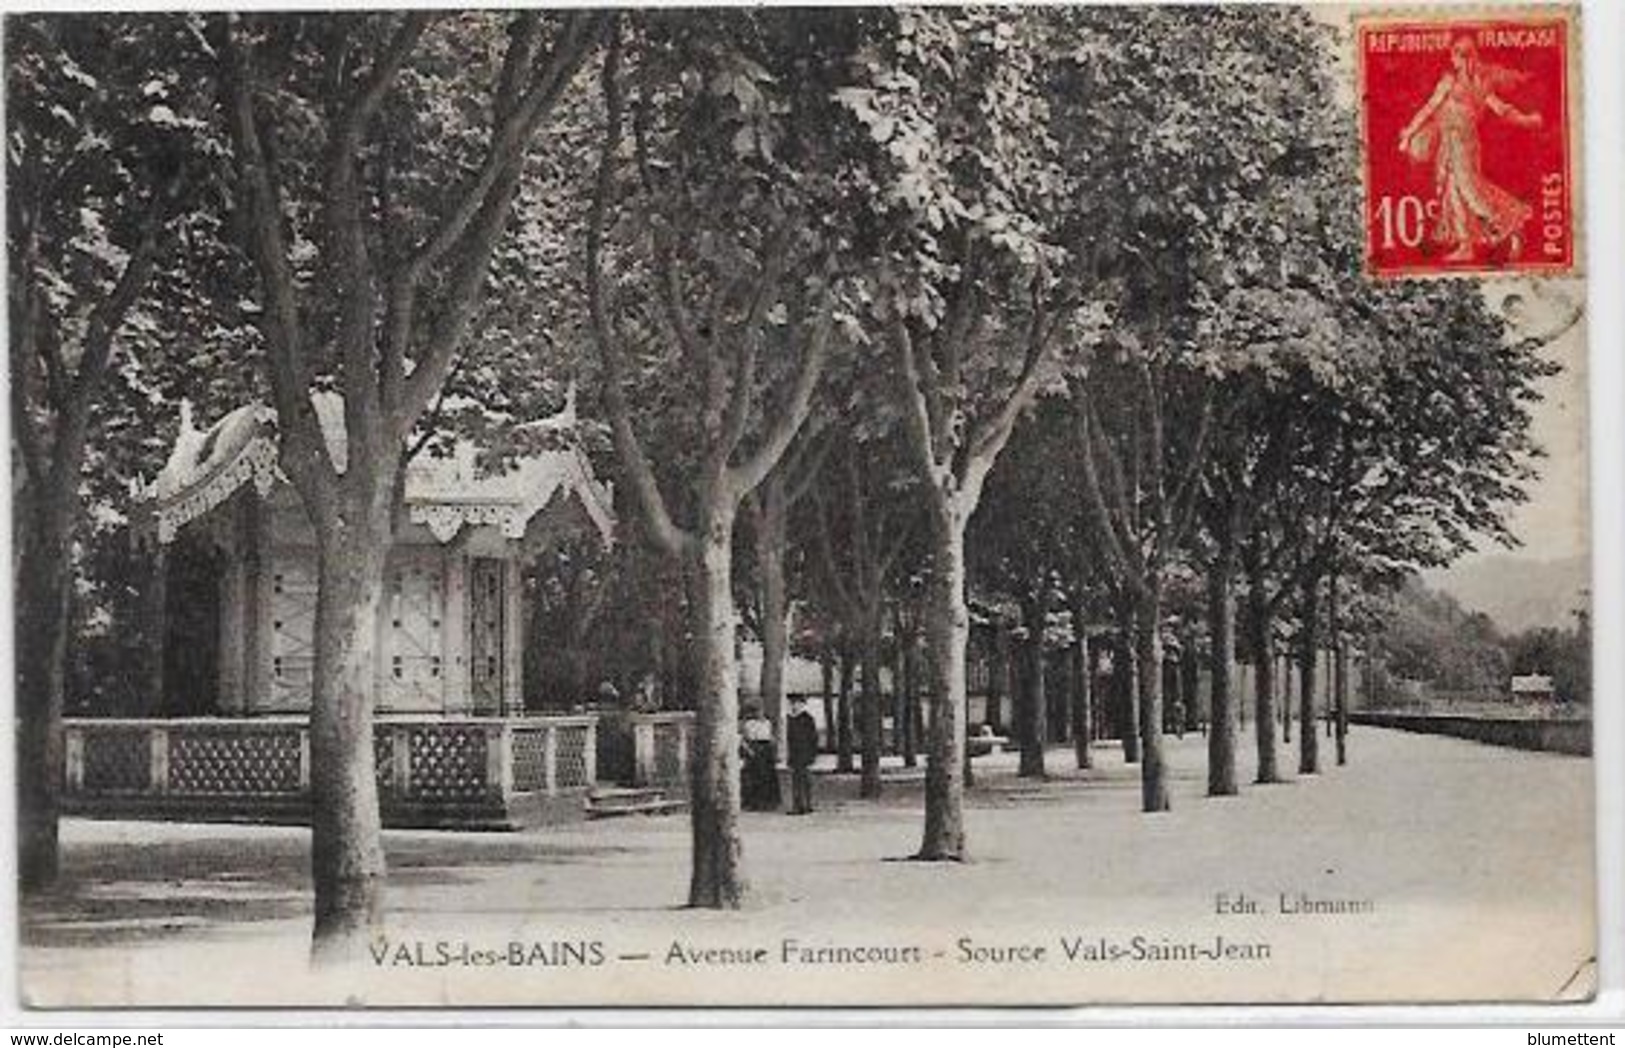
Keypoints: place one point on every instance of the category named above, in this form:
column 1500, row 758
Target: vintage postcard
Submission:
column 800, row 506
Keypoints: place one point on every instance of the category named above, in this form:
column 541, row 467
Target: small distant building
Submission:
column 1533, row 687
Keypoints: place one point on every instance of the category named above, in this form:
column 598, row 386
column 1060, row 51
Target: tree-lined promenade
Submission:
column 1515, row 921
column 884, row 314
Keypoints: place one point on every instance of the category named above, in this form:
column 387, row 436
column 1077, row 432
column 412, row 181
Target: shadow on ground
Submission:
column 127, row 883
column 150, row 885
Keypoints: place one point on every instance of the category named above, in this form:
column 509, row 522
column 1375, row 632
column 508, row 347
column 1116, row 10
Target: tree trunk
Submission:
column 155, row 632
column 44, row 590
column 1342, row 658
column 1264, row 703
column 770, row 540
column 899, row 699
column 1153, row 779
column 1173, row 694
column 826, row 664
column 1059, row 667
column 917, row 706
column 1030, row 715
column 718, row 879
column 1222, row 727
column 899, row 718
column 1082, row 687
column 873, row 706
column 1190, row 681
column 947, row 631
column 911, row 704
column 967, row 765
column 1059, row 690
column 911, row 699
column 1000, row 679
column 1284, row 696
column 1126, row 678
column 1308, row 678
column 1260, row 630
column 1340, row 669
column 843, row 713
column 347, row 854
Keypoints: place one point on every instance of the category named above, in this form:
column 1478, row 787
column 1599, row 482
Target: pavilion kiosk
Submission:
column 456, row 742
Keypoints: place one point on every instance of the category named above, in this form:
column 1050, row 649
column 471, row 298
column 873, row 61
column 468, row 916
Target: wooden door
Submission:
column 485, row 622
column 412, row 655
column 293, row 632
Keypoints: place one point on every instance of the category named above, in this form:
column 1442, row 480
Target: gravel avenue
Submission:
column 1476, row 862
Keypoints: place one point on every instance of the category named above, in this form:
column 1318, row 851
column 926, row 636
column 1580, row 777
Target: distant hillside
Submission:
column 1517, row 592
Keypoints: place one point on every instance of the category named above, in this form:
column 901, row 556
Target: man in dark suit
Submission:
column 802, row 737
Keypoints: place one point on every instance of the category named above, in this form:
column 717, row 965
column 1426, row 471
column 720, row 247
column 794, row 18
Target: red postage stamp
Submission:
column 1466, row 125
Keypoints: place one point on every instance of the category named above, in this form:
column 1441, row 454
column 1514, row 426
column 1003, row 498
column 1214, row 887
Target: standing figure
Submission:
column 760, row 770
column 647, row 697
column 1469, row 211
column 802, row 735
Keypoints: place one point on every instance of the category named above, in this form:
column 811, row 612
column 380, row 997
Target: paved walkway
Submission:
column 1466, row 871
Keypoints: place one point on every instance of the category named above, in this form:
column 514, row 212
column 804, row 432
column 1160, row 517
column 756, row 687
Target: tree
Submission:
column 957, row 178
column 1205, row 179
column 108, row 180
column 1415, row 460
column 1141, row 486
column 907, row 598
column 859, row 503
column 724, row 223
column 1563, row 653
column 1255, row 493
column 1032, row 549
column 768, row 510
column 371, row 248
column 570, row 594
column 1425, row 635
column 1252, row 450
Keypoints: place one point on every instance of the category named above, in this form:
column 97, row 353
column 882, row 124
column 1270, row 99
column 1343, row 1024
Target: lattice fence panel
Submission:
column 234, row 763
column 668, row 755
column 447, row 763
column 383, row 758
column 529, row 760
column 571, row 756
column 116, row 762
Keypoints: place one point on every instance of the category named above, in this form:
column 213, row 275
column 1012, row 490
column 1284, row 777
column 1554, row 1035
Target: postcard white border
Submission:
column 1602, row 25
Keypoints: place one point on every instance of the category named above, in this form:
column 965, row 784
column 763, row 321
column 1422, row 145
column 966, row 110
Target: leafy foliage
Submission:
column 1125, row 233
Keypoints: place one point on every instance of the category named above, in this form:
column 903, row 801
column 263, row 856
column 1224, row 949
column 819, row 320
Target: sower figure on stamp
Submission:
column 1472, row 211
column 802, row 737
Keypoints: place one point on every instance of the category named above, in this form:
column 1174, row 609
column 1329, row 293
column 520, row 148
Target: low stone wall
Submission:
column 663, row 745
column 1551, row 736
column 647, row 749
column 453, row 772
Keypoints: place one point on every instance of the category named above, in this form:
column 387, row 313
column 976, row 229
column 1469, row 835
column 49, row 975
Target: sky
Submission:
column 1554, row 523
